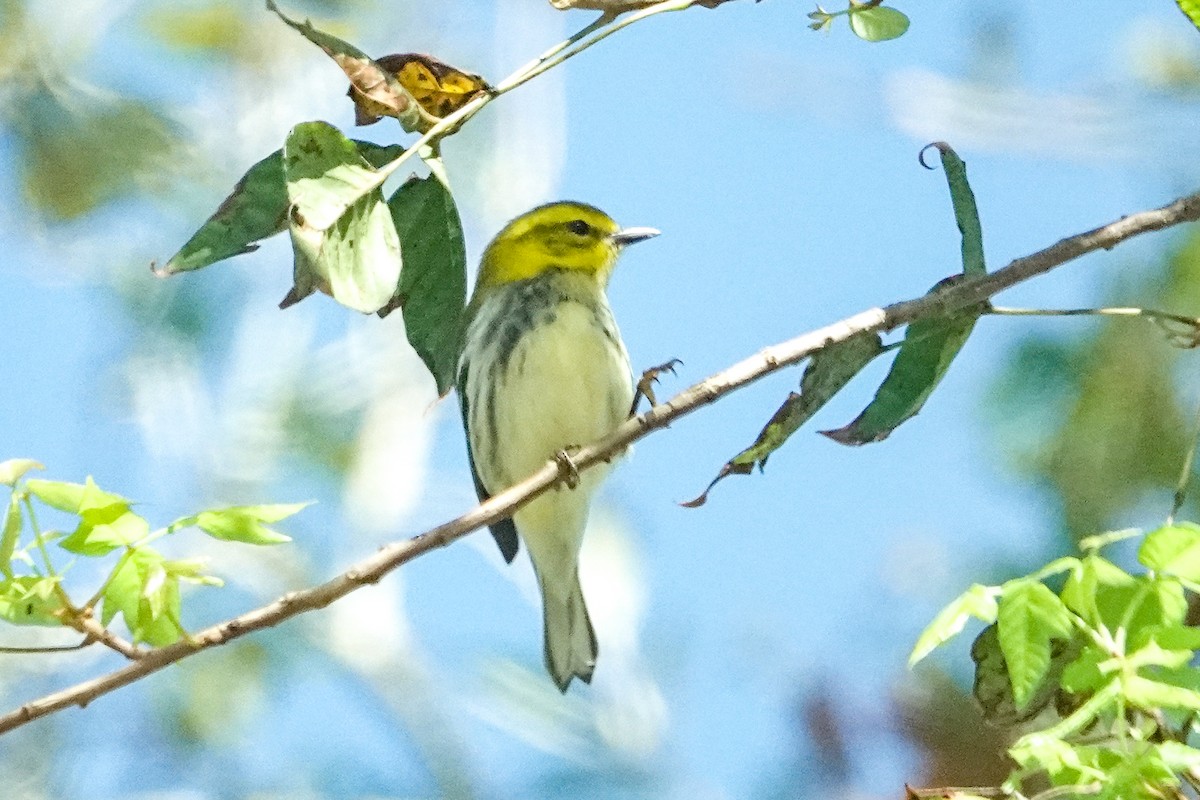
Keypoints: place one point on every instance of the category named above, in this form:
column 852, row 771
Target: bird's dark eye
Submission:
column 579, row 227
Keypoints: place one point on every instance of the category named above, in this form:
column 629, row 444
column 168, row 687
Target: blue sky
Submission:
column 781, row 167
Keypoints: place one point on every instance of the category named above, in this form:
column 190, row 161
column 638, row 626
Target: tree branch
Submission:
column 765, row 362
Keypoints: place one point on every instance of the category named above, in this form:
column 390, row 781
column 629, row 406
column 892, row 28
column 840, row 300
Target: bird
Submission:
column 542, row 370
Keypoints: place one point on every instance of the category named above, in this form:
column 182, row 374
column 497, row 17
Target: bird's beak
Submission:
column 630, row 235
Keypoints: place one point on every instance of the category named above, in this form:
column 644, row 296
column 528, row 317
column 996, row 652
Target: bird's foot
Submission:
column 566, row 466
column 645, row 386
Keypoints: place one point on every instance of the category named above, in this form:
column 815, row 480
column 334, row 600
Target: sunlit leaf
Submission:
column 979, row 602
column 74, row 498
column 146, row 595
column 440, row 88
column 368, row 78
column 14, row 469
column 247, row 524
column 878, row 23
column 31, row 600
column 826, row 373
column 10, row 533
column 352, row 256
column 103, row 530
column 433, row 283
column 256, row 209
column 1151, row 694
column 1173, row 550
column 1030, row 615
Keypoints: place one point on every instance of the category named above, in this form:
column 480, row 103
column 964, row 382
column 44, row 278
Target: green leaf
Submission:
column 1083, row 675
column 1174, row 550
column 14, row 469
column 74, row 498
column 256, row 209
column 246, row 523
column 10, row 533
column 1085, row 583
column 371, row 80
column 826, row 373
column 1150, row 694
column 979, row 601
column 878, row 23
column 1029, row 616
column 930, row 345
column 1191, row 10
column 146, row 595
column 966, row 213
column 1177, row 756
column 343, row 238
column 433, row 283
column 31, row 600
column 103, row 530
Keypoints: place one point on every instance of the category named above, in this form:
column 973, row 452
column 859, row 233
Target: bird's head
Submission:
column 568, row 236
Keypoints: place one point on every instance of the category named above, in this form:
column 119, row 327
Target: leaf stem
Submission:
column 37, row 535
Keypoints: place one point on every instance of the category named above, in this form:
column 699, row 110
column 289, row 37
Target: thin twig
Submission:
column 767, row 361
column 58, row 648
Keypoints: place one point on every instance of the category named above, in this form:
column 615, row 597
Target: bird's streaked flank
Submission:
column 543, row 369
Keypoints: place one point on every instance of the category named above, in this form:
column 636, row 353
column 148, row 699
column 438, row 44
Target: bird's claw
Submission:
column 645, row 386
column 566, row 466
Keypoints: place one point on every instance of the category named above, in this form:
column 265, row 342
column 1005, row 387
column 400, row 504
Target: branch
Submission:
column 765, row 362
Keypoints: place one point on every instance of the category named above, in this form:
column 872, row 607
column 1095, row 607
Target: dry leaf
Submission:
column 439, row 88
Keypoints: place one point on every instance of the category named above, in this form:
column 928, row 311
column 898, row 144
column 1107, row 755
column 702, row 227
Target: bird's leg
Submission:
column 566, row 466
column 645, row 386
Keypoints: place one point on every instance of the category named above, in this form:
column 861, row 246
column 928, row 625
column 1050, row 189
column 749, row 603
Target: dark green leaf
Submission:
column 877, row 23
column 827, row 372
column 256, row 209
column 14, row 469
column 929, row 346
column 966, row 214
column 371, row 80
column 74, row 498
column 433, row 283
column 343, row 246
column 1030, row 615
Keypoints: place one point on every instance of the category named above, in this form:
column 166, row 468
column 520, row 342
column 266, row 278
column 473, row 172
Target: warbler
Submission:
column 543, row 369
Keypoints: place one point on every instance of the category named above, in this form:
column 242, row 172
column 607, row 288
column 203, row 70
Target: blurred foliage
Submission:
column 1100, row 420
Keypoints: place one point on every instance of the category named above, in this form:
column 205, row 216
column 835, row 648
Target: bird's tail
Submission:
column 570, row 640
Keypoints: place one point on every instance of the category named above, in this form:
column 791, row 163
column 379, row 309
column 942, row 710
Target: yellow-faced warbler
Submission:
column 543, row 369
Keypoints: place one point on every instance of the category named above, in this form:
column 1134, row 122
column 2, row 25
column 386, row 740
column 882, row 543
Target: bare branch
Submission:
column 765, row 362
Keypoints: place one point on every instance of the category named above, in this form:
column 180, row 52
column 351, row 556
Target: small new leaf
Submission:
column 979, row 602
column 103, row 530
column 31, row 600
column 247, row 524
column 1173, row 550
column 1029, row 616
column 10, row 533
column 14, row 469
column 74, row 498
column 146, row 595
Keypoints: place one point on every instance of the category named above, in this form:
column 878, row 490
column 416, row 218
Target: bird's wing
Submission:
column 504, row 531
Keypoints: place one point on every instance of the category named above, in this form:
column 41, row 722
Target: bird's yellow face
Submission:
column 568, row 236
